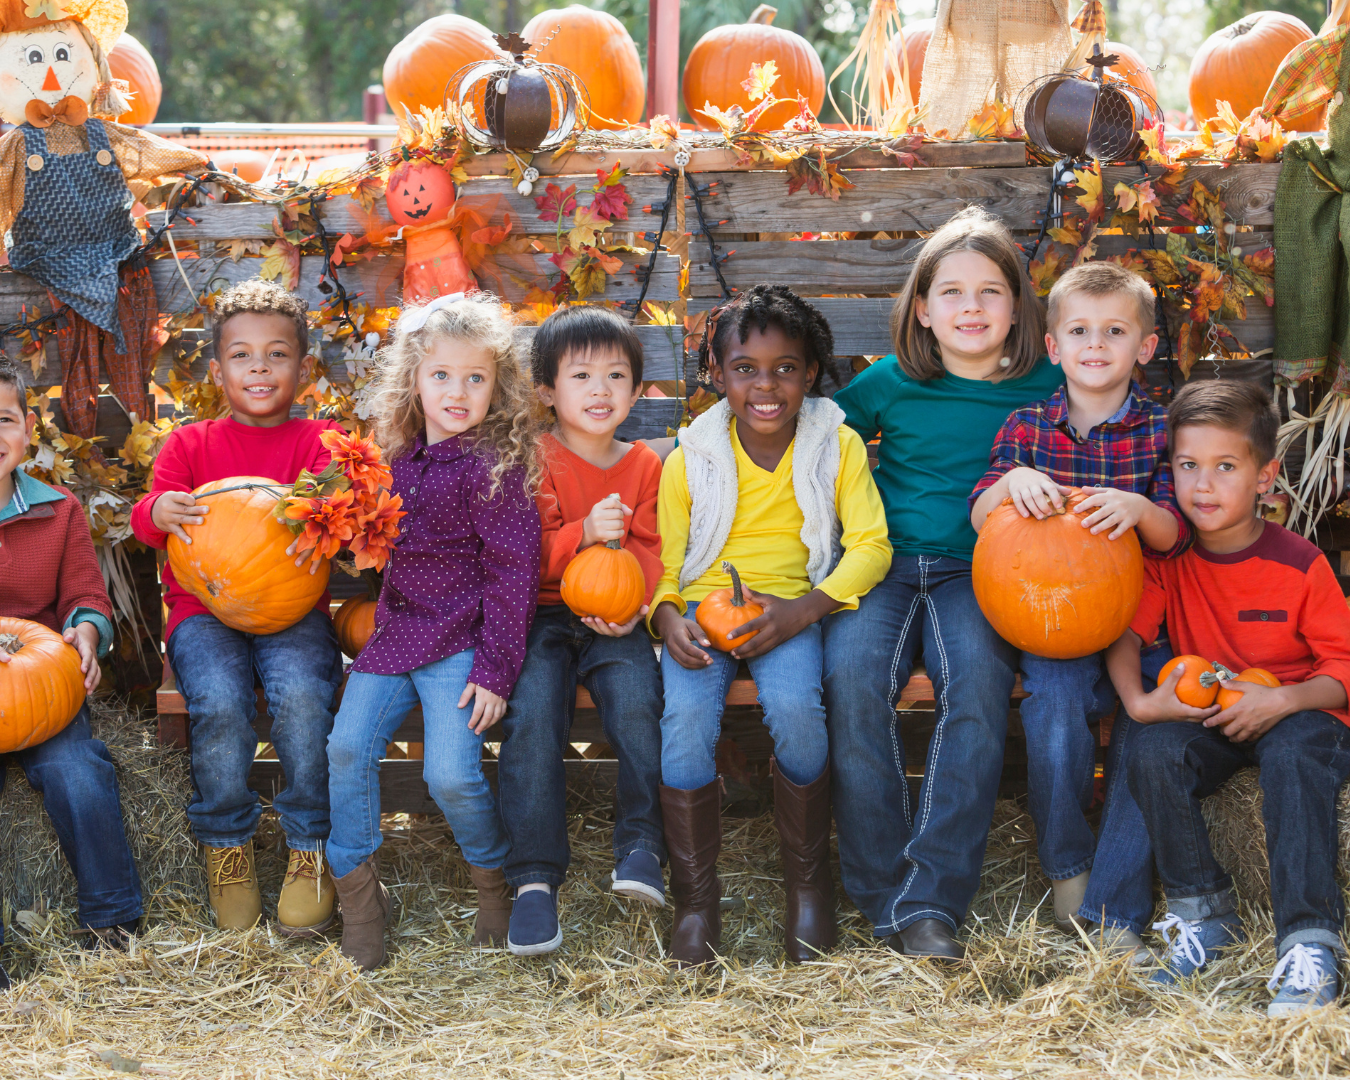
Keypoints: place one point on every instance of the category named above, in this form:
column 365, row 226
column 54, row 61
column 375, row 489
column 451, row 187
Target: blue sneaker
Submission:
column 534, row 928
column 638, row 876
column 1194, row 945
column 1311, row 980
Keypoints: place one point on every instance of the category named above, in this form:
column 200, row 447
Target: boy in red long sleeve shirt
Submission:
column 49, row 575
column 588, row 368
column 261, row 339
column 1248, row 594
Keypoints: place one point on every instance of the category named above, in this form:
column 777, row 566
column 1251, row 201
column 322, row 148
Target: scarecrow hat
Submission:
column 105, row 19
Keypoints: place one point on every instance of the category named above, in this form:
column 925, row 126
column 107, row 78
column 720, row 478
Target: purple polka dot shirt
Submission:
column 464, row 573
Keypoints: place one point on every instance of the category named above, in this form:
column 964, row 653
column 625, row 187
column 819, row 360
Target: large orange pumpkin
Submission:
column 917, row 35
column 41, row 688
column 604, row 581
column 1051, row 587
column 595, row 47
column 722, row 612
column 1131, row 67
column 1259, row 676
column 1237, row 63
column 721, row 61
column 237, row 563
column 354, row 623
column 1199, row 683
column 418, row 67
column 131, row 61
column 248, row 165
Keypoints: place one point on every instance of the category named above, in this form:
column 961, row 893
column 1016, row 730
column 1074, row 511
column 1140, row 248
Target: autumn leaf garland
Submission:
column 578, row 254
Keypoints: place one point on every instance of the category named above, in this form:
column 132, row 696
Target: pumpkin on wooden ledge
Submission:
column 1052, row 588
column 41, row 686
column 1237, row 63
column 354, row 621
column 237, row 563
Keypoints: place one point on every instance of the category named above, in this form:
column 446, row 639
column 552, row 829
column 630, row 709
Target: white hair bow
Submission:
column 412, row 321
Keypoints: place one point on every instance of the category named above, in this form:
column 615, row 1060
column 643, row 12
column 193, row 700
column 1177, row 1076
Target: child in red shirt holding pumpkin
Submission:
column 261, row 341
column 1248, row 594
column 587, row 368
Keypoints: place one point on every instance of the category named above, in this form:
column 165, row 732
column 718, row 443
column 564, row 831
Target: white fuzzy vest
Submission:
column 710, row 472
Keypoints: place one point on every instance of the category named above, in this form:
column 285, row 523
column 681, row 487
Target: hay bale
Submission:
column 1238, row 834
column 155, row 789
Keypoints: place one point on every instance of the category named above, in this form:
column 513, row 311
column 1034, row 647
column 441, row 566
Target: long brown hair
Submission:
column 973, row 229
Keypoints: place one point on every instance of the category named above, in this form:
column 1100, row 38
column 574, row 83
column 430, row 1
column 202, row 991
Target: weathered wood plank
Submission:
column 920, row 200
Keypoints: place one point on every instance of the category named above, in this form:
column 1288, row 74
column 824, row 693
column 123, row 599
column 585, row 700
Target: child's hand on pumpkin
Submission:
column 609, row 629
column 605, row 522
column 1163, row 704
column 681, row 637
column 173, row 510
column 1119, row 511
column 1035, row 494
column 1258, row 710
column 488, row 708
column 84, row 637
column 782, row 620
column 305, row 556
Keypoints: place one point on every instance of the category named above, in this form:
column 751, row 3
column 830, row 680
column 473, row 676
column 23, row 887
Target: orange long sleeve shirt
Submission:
column 1274, row 605
column 570, row 488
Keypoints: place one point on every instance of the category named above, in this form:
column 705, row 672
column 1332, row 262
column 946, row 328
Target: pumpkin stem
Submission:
column 737, row 597
column 1211, row 678
column 10, row 643
column 372, row 580
column 762, row 15
column 615, row 544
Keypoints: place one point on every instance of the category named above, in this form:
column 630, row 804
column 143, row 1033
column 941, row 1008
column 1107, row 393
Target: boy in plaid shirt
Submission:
column 1100, row 431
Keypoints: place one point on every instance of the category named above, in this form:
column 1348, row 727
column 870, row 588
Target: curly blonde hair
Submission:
column 509, row 433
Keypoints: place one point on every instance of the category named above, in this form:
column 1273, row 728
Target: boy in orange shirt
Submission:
column 1248, row 594
column 587, row 367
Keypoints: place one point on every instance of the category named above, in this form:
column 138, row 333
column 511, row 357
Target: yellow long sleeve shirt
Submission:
column 765, row 542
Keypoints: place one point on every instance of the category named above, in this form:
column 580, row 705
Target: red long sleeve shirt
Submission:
column 570, row 488
column 1273, row 605
column 215, row 450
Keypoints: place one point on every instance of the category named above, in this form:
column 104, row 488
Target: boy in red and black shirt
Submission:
column 1248, row 594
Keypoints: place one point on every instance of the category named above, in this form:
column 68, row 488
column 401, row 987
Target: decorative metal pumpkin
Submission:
column 1069, row 115
column 519, row 104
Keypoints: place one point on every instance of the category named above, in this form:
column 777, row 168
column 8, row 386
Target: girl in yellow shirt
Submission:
column 770, row 481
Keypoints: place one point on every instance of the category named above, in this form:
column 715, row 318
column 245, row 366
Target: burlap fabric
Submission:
column 1312, row 256
column 986, row 48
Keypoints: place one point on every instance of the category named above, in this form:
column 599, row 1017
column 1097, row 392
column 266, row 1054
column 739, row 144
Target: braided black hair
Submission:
column 759, row 308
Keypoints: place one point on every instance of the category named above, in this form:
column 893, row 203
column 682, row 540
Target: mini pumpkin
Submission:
column 1259, row 676
column 723, row 612
column 1051, row 587
column 354, row 622
column 41, row 688
column 237, row 563
column 604, row 581
column 1199, row 683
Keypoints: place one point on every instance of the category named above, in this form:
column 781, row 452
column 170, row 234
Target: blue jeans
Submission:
column 1120, row 890
column 1066, row 695
column 373, row 708
column 301, row 670
column 899, row 868
column 74, row 774
column 624, row 680
column 788, row 682
column 1304, row 760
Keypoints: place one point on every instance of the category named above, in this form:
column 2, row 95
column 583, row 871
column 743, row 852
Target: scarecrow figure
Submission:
column 65, row 207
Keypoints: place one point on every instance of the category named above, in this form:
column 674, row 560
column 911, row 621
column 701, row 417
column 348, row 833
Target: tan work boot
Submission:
column 1068, row 898
column 494, row 906
column 365, row 912
column 232, row 887
column 305, row 907
column 1118, row 941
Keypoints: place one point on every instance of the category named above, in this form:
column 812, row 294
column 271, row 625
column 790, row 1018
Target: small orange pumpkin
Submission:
column 1199, row 683
column 131, row 61
column 354, row 622
column 726, row 610
column 237, row 563
column 1051, row 587
column 41, row 688
column 604, row 581
column 1259, row 676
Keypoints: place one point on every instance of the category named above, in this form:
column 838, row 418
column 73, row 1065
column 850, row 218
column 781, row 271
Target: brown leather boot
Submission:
column 693, row 825
column 232, row 887
column 364, row 903
column 494, row 906
column 802, row 815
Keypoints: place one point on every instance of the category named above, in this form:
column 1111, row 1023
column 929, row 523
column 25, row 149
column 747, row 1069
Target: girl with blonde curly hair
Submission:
column 453, row 412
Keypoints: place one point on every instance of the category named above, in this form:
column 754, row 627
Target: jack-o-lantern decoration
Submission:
column 421, row 197
column 66, row 217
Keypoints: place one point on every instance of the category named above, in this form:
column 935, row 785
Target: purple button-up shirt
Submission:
column 464, row 573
